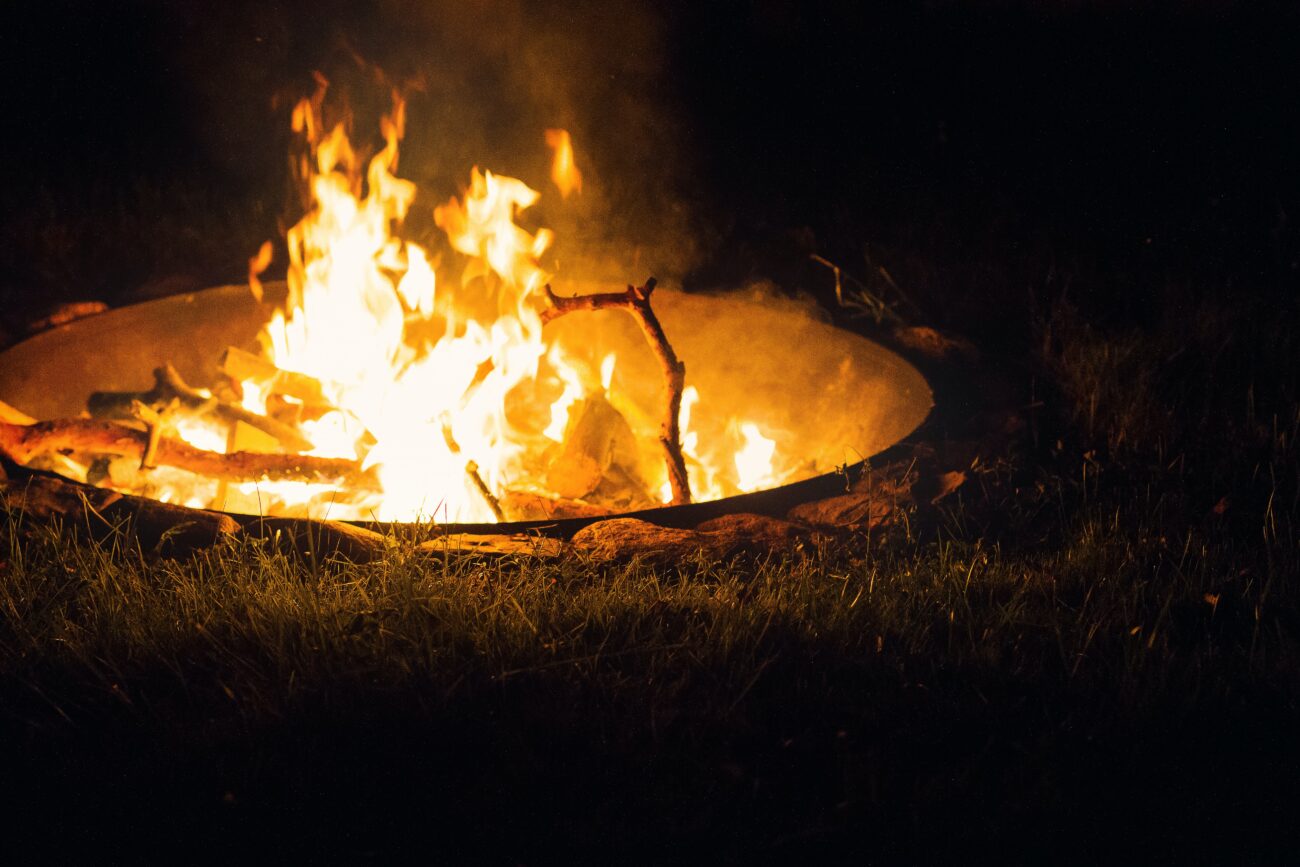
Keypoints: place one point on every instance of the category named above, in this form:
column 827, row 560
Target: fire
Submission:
column 754, row 460
column 446, row 390
column 564, row 174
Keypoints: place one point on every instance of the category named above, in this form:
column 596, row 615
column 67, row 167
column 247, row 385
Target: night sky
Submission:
column 1169, row 134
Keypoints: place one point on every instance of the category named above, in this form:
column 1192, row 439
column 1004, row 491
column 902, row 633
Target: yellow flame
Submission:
column 754, row 459
column 443, row 391
column 564, row 173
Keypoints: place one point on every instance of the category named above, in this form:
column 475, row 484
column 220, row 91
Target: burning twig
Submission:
column 169, row 386
column 21, row 443
column 636, row 301
column 155, row 423
column 169, row 377
column 471, row 470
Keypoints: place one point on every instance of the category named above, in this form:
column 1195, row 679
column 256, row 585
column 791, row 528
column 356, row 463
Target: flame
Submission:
column 754, row 459
column 444, row 389
column 564, row 174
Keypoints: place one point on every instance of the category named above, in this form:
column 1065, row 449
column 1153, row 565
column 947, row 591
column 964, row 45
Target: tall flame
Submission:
column 447, row 393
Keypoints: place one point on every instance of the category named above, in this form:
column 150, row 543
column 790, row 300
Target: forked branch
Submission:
column 636, row 301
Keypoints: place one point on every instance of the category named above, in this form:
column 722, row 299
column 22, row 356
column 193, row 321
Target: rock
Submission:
column 626, row 538
column 727, row 536
column 859, row 510
column 754, row 534
column 932, row 489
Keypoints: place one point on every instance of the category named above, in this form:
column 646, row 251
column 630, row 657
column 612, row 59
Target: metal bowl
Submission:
column 840, row 397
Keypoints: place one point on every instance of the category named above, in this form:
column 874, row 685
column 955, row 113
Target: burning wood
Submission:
column 243, row 366
column 169, row 386
column 22, row 443
column 636, row 300
column 407, row 396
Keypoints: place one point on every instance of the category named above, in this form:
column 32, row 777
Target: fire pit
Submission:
column 458, row 380
column 827, row 398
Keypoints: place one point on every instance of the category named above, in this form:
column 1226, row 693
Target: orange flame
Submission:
column 451, row 396
column 564, row 174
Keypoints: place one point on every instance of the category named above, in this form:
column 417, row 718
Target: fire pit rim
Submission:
column 774, row 501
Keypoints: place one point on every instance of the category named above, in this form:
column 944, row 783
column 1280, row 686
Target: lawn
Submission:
column 1090, row 651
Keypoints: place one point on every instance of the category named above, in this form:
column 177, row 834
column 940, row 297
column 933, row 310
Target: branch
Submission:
column 636, row 301
column 21, row 443
column 471, row 470
column 168, row 378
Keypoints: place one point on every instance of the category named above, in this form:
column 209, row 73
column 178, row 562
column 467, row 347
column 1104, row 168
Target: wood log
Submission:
column 21, row 443
column 65, row 313
column 290, row 438
column 10, row 415
column 157, row 527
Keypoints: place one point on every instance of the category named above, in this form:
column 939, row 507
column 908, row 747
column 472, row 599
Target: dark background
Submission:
column 722, row 140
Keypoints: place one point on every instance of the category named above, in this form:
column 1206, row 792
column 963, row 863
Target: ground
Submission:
column 1088, row 652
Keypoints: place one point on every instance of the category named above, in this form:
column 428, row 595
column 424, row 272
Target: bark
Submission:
column 21, row 443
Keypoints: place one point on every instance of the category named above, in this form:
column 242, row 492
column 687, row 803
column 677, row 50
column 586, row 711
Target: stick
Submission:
column 21, row 443
column 155, row 423
column 471, row 470
column 636, row 301
column 168, row 385
column 168, row 377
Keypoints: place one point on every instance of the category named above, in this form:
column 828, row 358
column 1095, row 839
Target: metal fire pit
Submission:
column 841, row 396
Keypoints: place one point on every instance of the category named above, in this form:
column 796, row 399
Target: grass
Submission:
column 1091, row 651
column 1120, row 667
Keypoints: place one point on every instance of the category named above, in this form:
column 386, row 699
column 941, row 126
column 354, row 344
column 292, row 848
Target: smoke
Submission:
column 484, row 80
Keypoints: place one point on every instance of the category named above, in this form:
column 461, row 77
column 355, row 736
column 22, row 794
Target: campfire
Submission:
column 388, row 381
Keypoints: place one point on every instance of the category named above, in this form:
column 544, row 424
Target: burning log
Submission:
column 169, row 386
column 21, row 443
column 636, row 301
column 288, row 437
column 10, row 415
